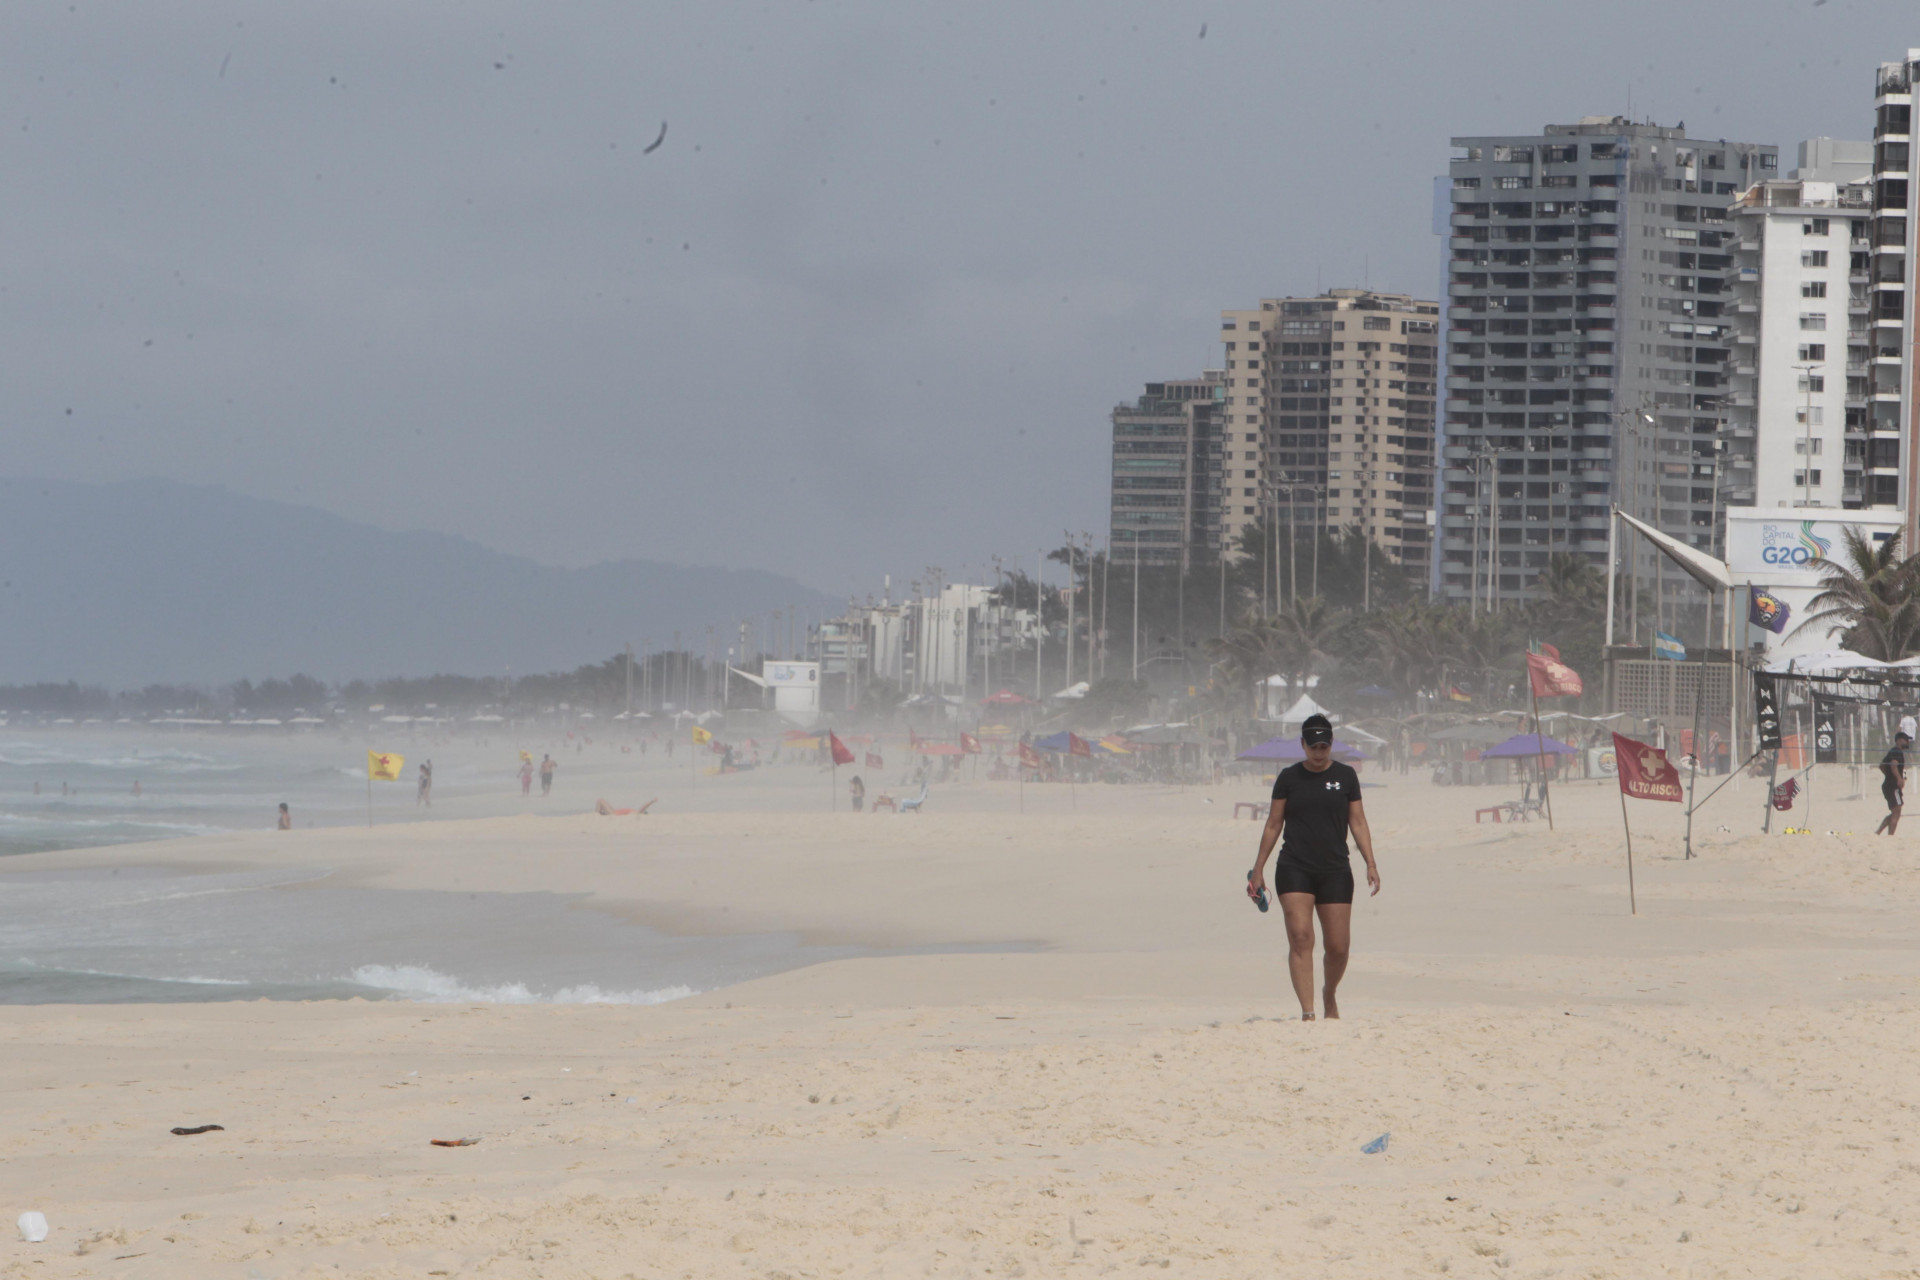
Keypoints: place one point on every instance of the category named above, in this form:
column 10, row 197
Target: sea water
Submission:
column 141, row 932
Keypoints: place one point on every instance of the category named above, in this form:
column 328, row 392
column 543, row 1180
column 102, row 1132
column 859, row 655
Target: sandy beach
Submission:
column 1078, row 1056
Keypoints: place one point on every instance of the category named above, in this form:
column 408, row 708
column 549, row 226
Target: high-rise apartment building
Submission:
column 1169, row 472
column 1587, row 344
column 1331, row 402
column 1797, row 426
column 1893, row 336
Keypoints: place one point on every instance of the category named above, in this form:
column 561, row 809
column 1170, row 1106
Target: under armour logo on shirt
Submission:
column 1333, row 786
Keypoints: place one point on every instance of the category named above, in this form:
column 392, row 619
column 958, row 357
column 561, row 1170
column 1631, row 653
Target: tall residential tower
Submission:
column 1331, row 401
column 1587, row 344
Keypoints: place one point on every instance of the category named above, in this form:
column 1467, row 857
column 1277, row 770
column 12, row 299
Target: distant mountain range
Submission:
column 154, row 581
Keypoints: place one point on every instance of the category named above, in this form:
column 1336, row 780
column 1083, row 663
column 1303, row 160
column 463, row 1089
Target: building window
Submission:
column 1812, row 382
column 1800, row 445
column 1814, row 227
column 1804, row 478
column 1813, row 257
column 1376, row 322
column 1813, row 288
column 1813, row 320
column 1512, row 184
column 1813, row 351
column 1819, row 417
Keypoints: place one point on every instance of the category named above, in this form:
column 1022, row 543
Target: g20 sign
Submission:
column 1792, row 545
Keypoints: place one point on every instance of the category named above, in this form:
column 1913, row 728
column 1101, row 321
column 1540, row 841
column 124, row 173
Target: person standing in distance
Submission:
column 1893, row 782
column 1315, row 803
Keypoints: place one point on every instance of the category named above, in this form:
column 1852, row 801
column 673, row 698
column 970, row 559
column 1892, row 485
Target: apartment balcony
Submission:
column 1465, row 219
column 1747, row 275
column 1739, row 400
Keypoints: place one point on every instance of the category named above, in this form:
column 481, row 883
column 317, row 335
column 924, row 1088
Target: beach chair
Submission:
column 913, row 805
column 1528, row 806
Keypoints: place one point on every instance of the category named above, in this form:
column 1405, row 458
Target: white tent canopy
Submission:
column 1826, row 662
column 1074, row 690
column 1303, row 707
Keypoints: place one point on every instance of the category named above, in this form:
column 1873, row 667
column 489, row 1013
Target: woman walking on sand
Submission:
column 1315, row 803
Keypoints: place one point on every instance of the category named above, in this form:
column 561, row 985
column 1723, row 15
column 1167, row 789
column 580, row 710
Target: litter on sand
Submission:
column 1375, row 1147
column 454, row 1142
column 33, row 1227
column 199, row 1128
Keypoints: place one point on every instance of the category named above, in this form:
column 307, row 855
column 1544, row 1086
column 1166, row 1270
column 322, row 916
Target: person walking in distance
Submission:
column 1893, row 782
column 286, row 818
column 526, row 774
column 547, row 766
column 1315, row 804
column 423, row 793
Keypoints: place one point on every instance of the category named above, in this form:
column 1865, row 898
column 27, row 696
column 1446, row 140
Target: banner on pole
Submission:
column 1551, row 677
column 1766, row 712
column 1764, row 609
column 1826, row 739
column 1645, row 771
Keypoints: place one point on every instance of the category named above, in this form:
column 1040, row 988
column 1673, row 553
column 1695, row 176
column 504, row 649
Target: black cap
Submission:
column 1903, row 735
column 1316, row 730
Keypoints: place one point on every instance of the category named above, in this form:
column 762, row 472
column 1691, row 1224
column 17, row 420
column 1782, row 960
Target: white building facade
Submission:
column 1797, row 425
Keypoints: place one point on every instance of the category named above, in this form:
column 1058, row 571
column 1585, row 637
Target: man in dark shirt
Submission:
column 1893, row 783
column 1315, row 804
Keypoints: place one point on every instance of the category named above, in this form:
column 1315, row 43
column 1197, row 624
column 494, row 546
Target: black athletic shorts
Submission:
column 1892, row 795
column 1329, row 884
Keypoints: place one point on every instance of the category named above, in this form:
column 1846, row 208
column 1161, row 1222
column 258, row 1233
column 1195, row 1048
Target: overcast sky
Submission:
column 865, row 310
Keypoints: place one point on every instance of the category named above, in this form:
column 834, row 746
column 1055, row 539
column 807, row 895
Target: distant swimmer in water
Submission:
column 286, row 818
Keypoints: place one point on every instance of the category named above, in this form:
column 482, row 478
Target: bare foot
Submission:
column 1326, row 997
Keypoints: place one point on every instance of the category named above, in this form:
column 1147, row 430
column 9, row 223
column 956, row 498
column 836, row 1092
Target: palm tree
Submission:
column 1868, row 596
column 1249, row 652
column 1306, row 632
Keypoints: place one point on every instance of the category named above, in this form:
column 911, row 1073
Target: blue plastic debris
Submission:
column 1375, row 1147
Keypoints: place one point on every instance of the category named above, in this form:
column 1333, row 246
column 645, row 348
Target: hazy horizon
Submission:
column 866, row 307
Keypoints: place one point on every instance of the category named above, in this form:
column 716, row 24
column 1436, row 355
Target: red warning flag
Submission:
column 842, row 754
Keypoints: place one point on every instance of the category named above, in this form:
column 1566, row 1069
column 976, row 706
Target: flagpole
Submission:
column 1633, row 903
column 369, row 798
column 1540, row 746
column 1692, row 777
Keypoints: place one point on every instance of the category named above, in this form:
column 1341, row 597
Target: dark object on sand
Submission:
column 655, row 144
column 204, row 1128
column 454, row 1142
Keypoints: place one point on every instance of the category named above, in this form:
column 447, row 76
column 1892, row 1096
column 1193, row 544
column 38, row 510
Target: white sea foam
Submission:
column 416, row 982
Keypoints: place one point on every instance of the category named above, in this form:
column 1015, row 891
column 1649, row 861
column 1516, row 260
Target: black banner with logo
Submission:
column 1826, row 737
column 1766, row 711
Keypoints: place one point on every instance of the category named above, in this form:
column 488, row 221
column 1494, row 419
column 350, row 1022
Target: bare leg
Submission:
column 1336, row 923
column 1893, row 821
column 1297, row 908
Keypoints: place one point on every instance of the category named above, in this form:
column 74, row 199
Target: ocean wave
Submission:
column 417, row 982
column 190, row 980
column 60, row 821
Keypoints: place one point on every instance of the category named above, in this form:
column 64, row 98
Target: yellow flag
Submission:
column 701, row 737
column 384, row 766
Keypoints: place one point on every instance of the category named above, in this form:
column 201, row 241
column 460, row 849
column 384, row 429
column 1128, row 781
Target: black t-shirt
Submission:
column 1315, row 834
column 1898, row 759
